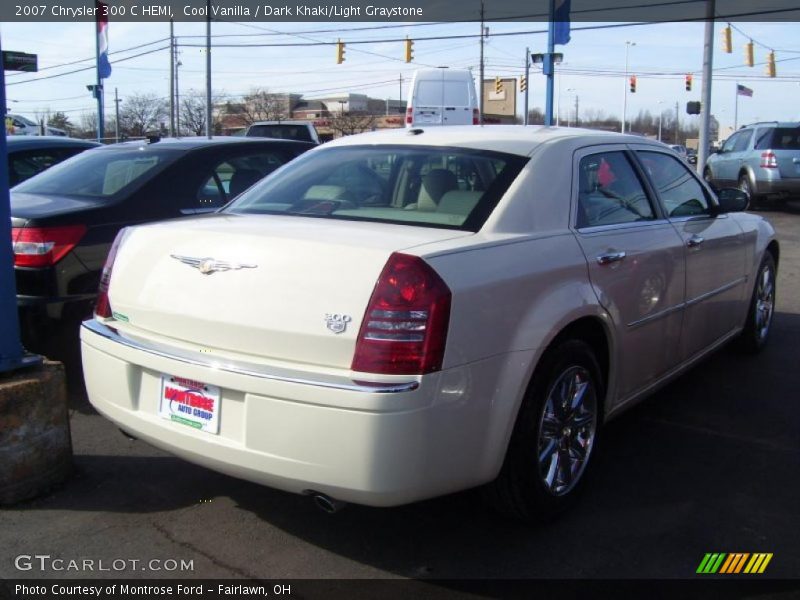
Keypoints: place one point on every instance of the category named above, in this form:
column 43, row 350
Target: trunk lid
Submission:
column 291, row 284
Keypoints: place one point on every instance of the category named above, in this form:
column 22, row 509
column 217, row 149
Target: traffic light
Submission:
column 748, row 54
column 633, row 84
column 523, row 83
column 409, row 50
column 727, row 41
column 688, row 82
column 339, row 52
column 498, row 85
column 771, row 64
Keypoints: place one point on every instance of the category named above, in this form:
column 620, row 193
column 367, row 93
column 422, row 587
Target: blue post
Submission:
column 548, row 66
column 12, row 354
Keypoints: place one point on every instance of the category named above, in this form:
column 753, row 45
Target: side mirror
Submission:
column 732, row 200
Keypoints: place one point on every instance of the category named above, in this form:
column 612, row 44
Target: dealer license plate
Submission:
column 190, row 403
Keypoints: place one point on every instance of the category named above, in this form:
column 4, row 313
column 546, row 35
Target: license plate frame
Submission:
column 190, row 403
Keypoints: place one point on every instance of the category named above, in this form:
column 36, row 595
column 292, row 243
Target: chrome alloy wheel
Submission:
column 765, row 301
column 567, row 430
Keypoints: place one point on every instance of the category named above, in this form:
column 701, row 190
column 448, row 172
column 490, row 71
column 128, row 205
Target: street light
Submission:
column 628, row 45
column 569, row 115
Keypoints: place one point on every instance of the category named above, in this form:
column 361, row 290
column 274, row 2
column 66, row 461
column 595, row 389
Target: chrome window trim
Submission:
column 617, row 226
column 242, row 367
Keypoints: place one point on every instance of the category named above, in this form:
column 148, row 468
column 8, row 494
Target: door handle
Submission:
column 610, row 257
column 695, row 241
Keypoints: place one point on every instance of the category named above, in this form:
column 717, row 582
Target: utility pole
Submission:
column 116, row 114
column 677, row 122
column 208, row 69
column 577, row 120
column 628, row 45
column 527, row 80
column 480, row 88
column 705, row 111
column 177, row 95
column 549, row 66
column 401, row 87
column 171, row 80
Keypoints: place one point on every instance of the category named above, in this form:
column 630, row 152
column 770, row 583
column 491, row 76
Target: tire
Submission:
column 762, row 308
column 744, row 185
column 709, row 178
column 549, row 451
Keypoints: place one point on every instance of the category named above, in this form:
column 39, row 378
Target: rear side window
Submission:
column 779, row 138
column 427, row 186
column 233, row 176
column 681, row 194
column 609, row 191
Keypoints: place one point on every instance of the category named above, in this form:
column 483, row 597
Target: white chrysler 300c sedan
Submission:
column 403, row 314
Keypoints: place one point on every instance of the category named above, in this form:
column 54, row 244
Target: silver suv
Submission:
column 762, row 159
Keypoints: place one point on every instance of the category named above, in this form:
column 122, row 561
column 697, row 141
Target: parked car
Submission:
column 64, row 220
column 303, row 131
column 680, row 151
column 19, row 125
column 762, row 159
column 393, row 317
column 29, row 155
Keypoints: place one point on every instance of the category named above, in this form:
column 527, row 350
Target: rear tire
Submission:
column 762, row 308
column 554, row 436
column 708, row 178
column 744, row 185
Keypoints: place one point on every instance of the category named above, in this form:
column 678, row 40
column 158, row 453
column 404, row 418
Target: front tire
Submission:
column 554, row 436
column 762, row 308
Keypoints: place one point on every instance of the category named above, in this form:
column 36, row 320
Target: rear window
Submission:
column 100, row 174
column 281, row 131
column 428, row 93
column 779, row 138
column 426, row 186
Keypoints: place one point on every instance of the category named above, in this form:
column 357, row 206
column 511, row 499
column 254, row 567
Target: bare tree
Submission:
column 87, row 126
column 193, row 112
column 352, row 122
column 142, row 114
column 259, row 105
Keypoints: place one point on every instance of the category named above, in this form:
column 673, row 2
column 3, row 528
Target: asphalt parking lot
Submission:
column 709, row 464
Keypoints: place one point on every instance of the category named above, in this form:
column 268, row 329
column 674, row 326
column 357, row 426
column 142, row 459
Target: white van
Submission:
column 442, row 97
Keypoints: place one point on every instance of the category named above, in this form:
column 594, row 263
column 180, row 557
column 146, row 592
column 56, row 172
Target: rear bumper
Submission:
column 779, row 187
column 379, row 443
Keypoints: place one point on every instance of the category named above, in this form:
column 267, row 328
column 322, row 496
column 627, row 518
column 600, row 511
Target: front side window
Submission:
column 731, row 142
column 609, row 191
column 680, row 192
column 418, row 185
column 743, row 141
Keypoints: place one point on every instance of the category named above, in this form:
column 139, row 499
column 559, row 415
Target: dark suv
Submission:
column 762, row 159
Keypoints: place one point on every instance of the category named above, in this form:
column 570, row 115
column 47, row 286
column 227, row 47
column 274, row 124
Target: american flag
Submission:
column 103, row 66
column 743, row 91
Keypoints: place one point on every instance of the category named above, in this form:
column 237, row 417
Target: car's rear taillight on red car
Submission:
column 405, row 326
column 103, row 306
column 769, row 160
column 38, row 247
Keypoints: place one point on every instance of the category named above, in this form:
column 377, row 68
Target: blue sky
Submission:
column 593, row 69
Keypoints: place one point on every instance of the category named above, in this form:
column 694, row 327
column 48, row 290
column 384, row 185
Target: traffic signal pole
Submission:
column 527, row 80
column 548, row 66
column 705, row 111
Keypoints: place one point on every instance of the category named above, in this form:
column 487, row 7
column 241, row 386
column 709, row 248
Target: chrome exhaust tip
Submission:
column 327, row 504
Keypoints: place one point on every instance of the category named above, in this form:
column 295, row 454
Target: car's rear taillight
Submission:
column 769, row 160
column 476, row 116
column 405, row 325
column 409, row 115
column 44, row 246
column 103, row 306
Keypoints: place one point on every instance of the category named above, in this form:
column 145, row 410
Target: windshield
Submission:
column 100, row 173
column 415, row 185
column 281, row 131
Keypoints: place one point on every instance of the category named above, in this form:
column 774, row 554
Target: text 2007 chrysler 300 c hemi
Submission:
column 399, row 315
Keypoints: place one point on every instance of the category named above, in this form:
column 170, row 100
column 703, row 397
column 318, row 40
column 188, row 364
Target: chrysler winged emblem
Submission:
column 208, row 265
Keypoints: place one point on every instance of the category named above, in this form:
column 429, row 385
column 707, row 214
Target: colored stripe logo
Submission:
column 734, row 563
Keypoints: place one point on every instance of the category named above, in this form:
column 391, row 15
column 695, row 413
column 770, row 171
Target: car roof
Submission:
column 784, row 124
column 305, row 123
column 193, row 143
column 31, row 142
column 514, row 139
